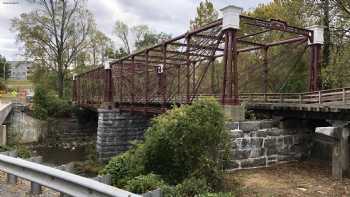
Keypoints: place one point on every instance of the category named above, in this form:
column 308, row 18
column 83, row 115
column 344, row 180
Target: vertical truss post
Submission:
column 314, row 69
column 163, row 76
column 315, row 42
column 193, row 79
column 78, row 90
column 223, row 97
column 108, row 96
column 133, row 80
column 75, row 88
column 235, row 69
column 266, row 69
column 188, row 63
column 230, row 26
column 121, row 82
column 147, row 77
column 230, row 68
column 212, row 78
column 179, row 93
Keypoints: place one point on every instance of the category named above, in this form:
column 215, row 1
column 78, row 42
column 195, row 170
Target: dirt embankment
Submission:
column 309, row 178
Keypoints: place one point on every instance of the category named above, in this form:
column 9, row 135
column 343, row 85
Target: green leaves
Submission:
column 185, row 141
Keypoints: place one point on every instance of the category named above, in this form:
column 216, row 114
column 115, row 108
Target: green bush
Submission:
column 58, row 107
column 125, row 167
column 4, row 148
column 191, row 187
column 187, row 141
column 183, row 146
column 48, row 104
column 23, row 152
column 117, row 167
column 144, row 183
column 227, row 194
column 40, row 103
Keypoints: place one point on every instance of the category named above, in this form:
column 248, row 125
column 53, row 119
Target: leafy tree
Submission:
column 206, row 13
column 54, row 34
column 4, row 67
column 121, row 30
column 149, row 39
column 99, row 43
column 136, row 38
column 344, row 5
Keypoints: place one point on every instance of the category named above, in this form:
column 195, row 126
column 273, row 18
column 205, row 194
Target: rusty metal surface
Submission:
column 173, row 72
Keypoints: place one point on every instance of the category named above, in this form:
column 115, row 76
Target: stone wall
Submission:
column 67, row 132
column 23, row 128
column 116, row 129
column 262, row 143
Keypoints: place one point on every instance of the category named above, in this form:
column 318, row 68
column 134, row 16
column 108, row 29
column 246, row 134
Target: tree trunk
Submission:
column 327, row 34
column 60, row 84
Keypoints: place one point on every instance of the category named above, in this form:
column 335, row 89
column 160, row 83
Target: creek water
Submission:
column 58, row 156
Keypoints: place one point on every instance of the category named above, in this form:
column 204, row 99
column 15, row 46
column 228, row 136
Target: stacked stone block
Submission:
column 115, row 131
column 263, row 143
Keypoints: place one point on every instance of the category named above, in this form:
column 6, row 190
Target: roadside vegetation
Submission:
column 183, row 153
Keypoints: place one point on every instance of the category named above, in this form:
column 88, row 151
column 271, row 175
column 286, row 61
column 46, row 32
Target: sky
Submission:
column 169, row 16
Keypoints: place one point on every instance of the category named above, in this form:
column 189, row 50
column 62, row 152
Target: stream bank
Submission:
column 57, row 140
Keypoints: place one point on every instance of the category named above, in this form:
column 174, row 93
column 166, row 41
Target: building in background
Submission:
column 19, row 70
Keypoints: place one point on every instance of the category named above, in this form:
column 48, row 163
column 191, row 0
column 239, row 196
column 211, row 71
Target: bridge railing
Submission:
column 58, row 180
column 333, row 96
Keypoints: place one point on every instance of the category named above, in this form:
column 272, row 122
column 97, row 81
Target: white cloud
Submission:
column 170, row 16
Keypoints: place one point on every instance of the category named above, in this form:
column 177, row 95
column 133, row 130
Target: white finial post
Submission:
column 318, row 34
column 106, row 64
column 231, row 15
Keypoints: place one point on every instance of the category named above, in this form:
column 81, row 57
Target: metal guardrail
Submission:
column 64, row 182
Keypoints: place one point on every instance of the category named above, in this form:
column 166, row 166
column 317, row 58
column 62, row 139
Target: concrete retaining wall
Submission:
column 116, row 129
column 262, row 143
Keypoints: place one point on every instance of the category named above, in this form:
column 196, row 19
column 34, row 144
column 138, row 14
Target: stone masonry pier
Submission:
column 116, row 129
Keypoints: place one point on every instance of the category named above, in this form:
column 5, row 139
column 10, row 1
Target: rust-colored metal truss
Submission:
column 173, row 72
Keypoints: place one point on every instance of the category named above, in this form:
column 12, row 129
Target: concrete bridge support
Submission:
column 339, row 136
column 116, row 129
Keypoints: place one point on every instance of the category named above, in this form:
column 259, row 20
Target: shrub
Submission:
column 4, row 148
column 125, row 167
column 191, row 187
column 40, row 103
column 185, row 145
column 117, row 167
column 48, row 104
column 144, row 183
column 186, row 141
column 58, row 107
column 23, row 152
column 227, row 194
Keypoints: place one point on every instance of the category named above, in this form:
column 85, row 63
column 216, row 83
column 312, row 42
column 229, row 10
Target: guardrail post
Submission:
column 319, row 97
column 300, row 99
column 11, row 179
column 35, row 188
column 344, row 96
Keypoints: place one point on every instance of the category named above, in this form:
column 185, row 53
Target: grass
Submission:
column 19, row 84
